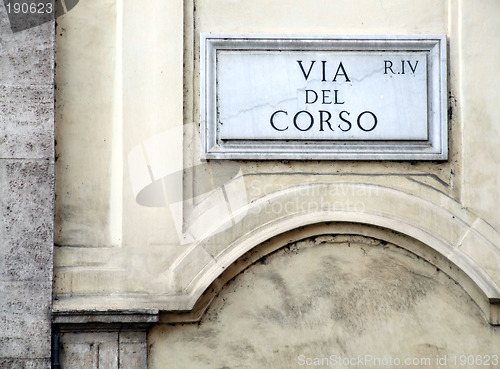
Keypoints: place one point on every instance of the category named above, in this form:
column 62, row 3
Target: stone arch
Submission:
column 341, row 295
column 435, row 221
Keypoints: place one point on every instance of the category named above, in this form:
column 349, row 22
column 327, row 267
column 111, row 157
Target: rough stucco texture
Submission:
column 330, row 296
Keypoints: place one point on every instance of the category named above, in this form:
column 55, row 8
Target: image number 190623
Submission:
column 29, row 8
column 26, row 14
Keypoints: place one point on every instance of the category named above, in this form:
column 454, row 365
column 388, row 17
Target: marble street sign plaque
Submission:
column 324, row 97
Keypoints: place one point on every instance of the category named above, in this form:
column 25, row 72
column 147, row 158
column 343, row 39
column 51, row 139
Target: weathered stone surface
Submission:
column 26, row 194
column 26, row 121
column 133, row 350
column 89, row 350
column 321, row 297
column 25, row 363
column 25, row 319
column 110, row 350
column 26, row 58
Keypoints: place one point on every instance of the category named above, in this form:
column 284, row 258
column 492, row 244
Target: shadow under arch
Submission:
column 438, row 229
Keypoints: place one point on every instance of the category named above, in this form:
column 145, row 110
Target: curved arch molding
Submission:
column 449, row 232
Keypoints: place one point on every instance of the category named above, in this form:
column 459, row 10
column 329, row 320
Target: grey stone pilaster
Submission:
column 26, row 193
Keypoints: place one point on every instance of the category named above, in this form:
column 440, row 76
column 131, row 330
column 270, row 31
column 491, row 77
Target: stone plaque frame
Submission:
column 435, row 147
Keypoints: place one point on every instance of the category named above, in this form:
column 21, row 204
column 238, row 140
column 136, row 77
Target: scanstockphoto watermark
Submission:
column 260, row 187
column 311, row 198
column 389, row 361
column 26, row 14
column 301, row 205
column 367, row 360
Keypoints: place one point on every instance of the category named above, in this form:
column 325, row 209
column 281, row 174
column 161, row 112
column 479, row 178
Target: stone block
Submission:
column 26, row 58
column 26, row 191
column 27, row 208
column 25, row 319
column 89, row 350
column 110, row 350
column 24, row 363
column 26, row 121
column 133, row 350
column 26, row 194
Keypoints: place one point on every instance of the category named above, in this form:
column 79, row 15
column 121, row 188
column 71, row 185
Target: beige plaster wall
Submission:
column 480, row 53
column 127, row 95
column 85, row 77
